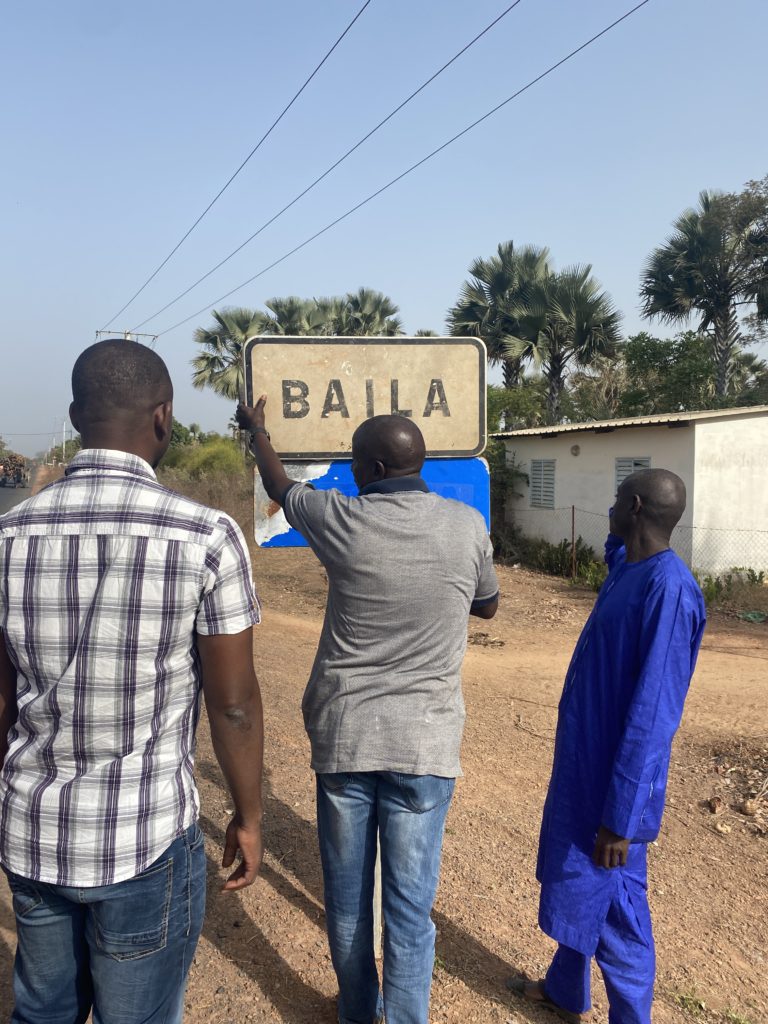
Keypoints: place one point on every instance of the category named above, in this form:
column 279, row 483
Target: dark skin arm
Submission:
column 233, row 702
column 8, row 708
column 276, row 481
column 485, row 611
column 610, row 850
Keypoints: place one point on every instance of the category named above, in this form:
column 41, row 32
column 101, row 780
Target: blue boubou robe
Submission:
column 621, row 705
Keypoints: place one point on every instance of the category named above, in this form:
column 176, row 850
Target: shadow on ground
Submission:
column 292, row 841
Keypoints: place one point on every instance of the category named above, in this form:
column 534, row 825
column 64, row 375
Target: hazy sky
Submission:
column 121, row 120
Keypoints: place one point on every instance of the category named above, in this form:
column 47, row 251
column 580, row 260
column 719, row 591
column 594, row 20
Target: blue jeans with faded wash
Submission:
column 408, row 812
column 122, row 950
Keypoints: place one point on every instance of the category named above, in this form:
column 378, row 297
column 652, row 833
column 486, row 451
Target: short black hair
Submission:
column 662, row 493
column 118, row 376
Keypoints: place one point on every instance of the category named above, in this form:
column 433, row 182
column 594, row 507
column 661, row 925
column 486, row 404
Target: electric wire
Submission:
column 226, row 185
column 332, row 168
column 409, row 170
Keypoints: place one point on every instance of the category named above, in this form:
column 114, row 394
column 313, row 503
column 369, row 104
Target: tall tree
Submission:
column 564, row 321
column 715, row 266
column 364, row 312
column 486, row 306
column 220, row 364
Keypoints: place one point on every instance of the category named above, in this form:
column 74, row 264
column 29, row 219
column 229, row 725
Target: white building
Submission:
column 722, row 455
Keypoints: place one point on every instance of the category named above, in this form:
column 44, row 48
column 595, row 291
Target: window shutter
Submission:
column 542, row 483
column 626, row 467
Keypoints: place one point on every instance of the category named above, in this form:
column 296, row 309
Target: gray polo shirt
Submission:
column 404, row 566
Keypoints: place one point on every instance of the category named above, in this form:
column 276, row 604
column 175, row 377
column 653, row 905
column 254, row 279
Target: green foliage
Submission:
column 592, row 575
column 713, row 587
column 556, row 559
column 505, row 475
column 486, row 303
column 564, row 320
column 714, row 266
column 215, row 454
column 523, row 405
column 219, row 364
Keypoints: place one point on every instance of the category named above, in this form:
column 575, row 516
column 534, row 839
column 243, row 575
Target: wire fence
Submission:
column 710, row 550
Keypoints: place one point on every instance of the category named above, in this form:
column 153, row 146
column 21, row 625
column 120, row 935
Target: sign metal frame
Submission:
column 360, row 341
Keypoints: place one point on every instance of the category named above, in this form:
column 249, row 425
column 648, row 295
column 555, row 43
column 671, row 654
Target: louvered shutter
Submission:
column 626, row 467
column 542, row 483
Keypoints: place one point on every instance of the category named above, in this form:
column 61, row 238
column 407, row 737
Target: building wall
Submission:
column 731, row 501
column 587, row 480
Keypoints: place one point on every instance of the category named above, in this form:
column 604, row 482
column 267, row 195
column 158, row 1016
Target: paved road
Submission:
column 10, row 496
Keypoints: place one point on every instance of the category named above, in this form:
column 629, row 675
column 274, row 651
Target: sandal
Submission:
column 522, row 986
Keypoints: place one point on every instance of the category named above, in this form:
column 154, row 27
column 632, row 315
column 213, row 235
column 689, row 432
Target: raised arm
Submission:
column 276, row 480
column 8, row 709
column 233, row 702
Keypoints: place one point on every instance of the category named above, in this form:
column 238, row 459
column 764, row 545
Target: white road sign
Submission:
column 319, row 390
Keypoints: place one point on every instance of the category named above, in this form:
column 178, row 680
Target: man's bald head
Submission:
column 387, row 446
column 657, row 496
column 118, row 379
column 123, row 399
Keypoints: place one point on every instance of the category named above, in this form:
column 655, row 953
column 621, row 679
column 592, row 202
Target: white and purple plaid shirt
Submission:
column 106, row 577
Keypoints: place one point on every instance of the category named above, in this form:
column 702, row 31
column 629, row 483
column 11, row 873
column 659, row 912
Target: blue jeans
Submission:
column 408, row 811
column 123, row 950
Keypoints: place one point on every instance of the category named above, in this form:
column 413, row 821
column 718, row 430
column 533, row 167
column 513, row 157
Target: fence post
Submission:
column 573, row 542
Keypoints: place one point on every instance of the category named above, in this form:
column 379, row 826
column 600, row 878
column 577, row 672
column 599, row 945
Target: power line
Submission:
column 333, row 166
column 224, row 188
column 408, row 171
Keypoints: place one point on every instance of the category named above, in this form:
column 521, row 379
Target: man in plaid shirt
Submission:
column 120, row 601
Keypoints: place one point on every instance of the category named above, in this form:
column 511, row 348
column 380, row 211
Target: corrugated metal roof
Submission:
column 660, row 419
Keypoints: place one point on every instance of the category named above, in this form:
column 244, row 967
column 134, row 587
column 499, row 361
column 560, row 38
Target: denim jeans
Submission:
column 408, row 811
column 123, row 950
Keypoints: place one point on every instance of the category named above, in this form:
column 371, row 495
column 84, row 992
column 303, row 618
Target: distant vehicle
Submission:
column 13, row 471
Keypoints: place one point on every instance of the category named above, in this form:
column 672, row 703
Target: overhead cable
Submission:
column 226, row 185
column 408, row 171
column 333, row 166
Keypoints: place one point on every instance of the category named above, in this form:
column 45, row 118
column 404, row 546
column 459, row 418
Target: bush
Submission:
column 740, row 590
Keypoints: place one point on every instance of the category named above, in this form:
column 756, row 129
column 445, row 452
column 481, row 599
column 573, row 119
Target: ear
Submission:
column 74, row 419
column 637, row 505
column 162, row 421
column 379, row 470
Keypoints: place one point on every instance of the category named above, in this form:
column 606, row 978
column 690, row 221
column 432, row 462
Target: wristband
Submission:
column 260, row 430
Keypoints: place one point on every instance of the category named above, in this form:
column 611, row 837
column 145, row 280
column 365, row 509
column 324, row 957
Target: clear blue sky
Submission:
column 121, row 120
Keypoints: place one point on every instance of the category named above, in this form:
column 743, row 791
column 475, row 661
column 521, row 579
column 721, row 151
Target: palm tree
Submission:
column 293, row 316
column 220, row 365
column 715, row 261
column 364, row 312
column 498, row 285
column 563, row 319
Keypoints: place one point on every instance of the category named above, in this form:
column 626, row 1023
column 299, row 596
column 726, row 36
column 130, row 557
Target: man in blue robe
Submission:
column 621, row 705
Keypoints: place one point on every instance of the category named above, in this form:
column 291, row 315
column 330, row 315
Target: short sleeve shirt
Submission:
column 106, row 578
column 404, row 566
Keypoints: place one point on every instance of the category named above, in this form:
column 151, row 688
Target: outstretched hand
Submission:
column 248, row 417
column 610, row 849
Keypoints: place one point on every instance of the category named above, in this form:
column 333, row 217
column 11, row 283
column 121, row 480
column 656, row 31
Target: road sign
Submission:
column 466, row 480
column 319, row 390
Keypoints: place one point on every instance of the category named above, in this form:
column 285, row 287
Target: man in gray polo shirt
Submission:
column 383, row 707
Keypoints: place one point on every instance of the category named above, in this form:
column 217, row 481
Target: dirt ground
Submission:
column 263, row 955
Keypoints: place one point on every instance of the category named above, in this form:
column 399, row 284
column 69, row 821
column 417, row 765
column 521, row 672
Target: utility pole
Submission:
column 63, row 442
column 128, row 336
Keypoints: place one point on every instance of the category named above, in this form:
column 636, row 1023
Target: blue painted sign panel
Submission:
column 466, row 480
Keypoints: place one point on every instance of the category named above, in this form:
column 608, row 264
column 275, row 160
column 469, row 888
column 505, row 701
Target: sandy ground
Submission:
column 263, row 955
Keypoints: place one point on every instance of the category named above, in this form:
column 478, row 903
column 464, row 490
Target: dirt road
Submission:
column 263, row 956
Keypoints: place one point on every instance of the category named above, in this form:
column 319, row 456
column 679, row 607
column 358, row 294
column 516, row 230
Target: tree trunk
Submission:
column 725, row 342
column 510, row 369
column 554, row 374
